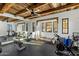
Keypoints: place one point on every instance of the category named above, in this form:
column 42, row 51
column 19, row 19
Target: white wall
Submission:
column 73, row 16
column 4, row 28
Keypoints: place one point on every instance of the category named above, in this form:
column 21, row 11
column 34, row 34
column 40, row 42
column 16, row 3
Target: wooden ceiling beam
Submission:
column 35, row 5
column 20, row 5
column 30, row 7
column 27, row 16
column 66, row 8
column 23, row 10
column 14, row 20
column 59, row 8
column 6, row 7
column 1, row 6
column 51, row 8
column 40, row 4
column 5, row 19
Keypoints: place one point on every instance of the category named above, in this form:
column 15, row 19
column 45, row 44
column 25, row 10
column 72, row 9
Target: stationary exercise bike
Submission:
column 61, row 49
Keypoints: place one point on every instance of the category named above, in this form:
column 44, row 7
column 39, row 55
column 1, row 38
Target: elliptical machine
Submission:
column 61, row 49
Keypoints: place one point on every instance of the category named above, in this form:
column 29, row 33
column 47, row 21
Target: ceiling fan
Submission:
column 33, row 12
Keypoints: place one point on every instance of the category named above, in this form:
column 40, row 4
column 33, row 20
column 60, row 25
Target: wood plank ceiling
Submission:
column 34, row 10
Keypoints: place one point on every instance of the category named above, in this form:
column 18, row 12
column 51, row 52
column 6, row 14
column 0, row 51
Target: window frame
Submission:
column 67, row 25
column 49, row 26
column 33, row 26
column 43, row 27
column 26, row 26
column 57, row 25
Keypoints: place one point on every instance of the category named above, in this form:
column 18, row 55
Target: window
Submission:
column 9, row 27
column 55, row 25
column 26, row 26
column 33, row 26
column 49, row 26
column 65, row 25
column 43, row 27
column 23, row 27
